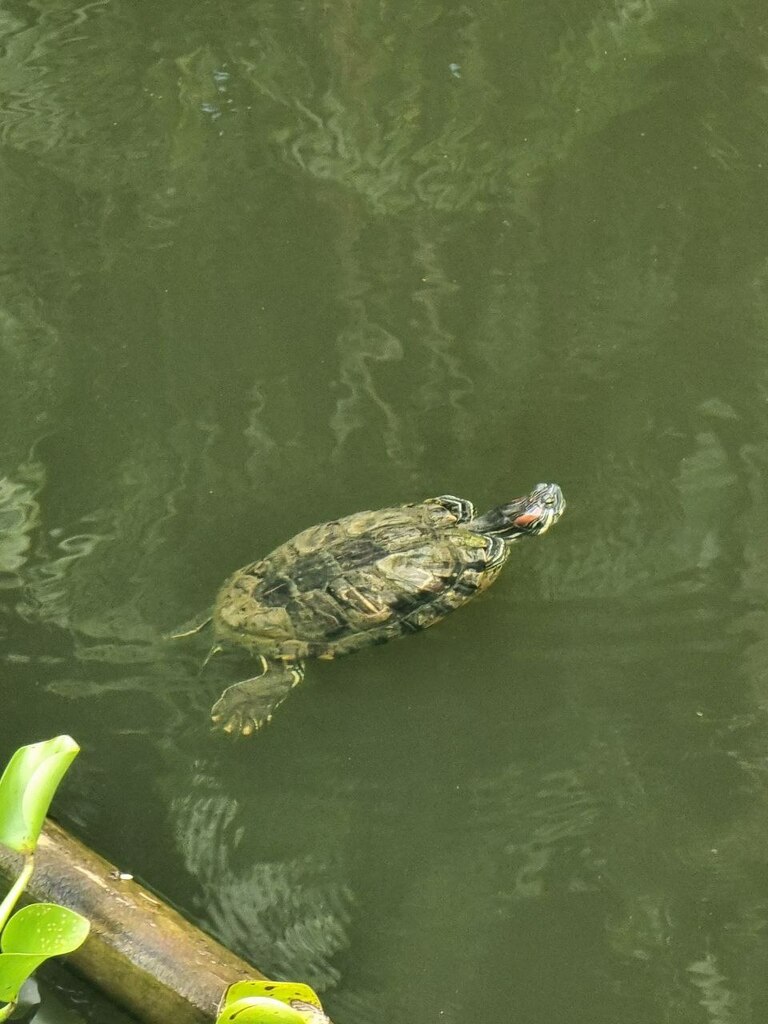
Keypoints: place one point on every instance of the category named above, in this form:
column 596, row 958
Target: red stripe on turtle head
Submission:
column 527, row 518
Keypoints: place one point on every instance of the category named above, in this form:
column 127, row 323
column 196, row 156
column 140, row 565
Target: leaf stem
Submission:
column 7, row 1010
column 18, row 887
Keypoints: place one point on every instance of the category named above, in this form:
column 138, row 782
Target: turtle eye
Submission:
column 549, row 500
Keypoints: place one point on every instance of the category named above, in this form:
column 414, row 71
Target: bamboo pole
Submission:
column 140, row 952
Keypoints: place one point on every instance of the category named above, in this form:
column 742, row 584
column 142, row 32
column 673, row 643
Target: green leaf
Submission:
column 15, row 968
column 32, row 936
column 27, row 787
column 259, row 1010
column 301, row 1000
column 285, row 991
column 44, row 929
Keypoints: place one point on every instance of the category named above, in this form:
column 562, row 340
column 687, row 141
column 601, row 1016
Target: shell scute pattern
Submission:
column 360, row 580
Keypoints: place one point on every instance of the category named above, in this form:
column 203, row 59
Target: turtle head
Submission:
column 528, row 516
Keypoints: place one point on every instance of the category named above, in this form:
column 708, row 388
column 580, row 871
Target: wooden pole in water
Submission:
column 140, row 952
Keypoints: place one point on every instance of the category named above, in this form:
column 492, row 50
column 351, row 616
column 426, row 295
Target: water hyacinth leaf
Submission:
column 288, row 992
column 15, row 968
column 26, row 789
column 260, row 1010
column 32, row 936
column 44, row 929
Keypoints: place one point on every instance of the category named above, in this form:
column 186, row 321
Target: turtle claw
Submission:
column 246, row 707
column 232, row 719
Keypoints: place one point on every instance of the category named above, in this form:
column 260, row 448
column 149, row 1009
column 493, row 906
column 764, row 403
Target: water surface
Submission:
column 268, row 264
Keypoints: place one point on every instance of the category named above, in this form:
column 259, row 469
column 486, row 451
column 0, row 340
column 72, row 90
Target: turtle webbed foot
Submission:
column 246, row 706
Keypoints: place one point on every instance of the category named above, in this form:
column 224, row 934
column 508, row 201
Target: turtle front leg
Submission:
column 246, row 706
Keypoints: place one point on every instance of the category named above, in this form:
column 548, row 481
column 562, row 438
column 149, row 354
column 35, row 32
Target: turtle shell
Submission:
column 358, row 581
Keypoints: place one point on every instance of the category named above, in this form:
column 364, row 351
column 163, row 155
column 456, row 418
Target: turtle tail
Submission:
column 191, row 628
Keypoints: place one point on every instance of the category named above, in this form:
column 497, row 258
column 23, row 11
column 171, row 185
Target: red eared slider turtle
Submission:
column 358, row 581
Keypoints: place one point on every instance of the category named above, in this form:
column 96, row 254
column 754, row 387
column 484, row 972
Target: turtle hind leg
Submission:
column 248, row 705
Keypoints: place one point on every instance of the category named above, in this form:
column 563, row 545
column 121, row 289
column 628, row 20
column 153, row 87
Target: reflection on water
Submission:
column 266, row 266
column 19, row 514
column 287, row 909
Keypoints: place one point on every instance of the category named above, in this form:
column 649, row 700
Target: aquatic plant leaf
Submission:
column 288, row 992
column 15, row 968
column 31, row 937
column 44, row 929
column 27, row 786
column 260, row 1010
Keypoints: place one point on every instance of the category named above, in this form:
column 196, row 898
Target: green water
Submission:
column 267, row 263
